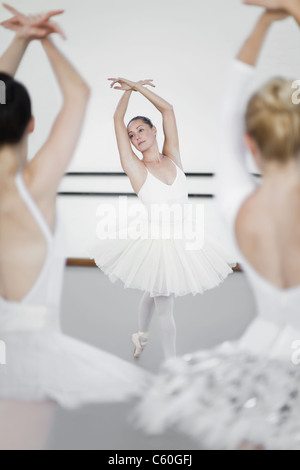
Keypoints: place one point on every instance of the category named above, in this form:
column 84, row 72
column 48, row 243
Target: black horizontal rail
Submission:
column 84, row 194
column 117, row 194
column 124, row 174
column 110, row 173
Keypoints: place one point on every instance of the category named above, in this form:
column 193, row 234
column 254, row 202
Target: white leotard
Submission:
column 42, row 362
column 48, row 287
column 156, row 191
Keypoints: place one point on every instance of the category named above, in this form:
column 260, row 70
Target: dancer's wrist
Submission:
column 293, row 6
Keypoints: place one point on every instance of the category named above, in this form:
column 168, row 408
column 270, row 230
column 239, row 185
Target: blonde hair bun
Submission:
column 273, row 120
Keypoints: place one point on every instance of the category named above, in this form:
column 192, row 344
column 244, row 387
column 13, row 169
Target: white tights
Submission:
column 165, row 308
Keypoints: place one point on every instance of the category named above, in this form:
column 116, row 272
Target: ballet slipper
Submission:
column 140, row 342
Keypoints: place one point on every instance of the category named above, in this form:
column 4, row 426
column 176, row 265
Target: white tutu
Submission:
column 43, row 364
column 162, row 266
column 224, row 396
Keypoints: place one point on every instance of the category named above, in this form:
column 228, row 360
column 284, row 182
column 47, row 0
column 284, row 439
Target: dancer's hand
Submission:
column 33, row 27
column 127, row 85
column 276, row 15
column 272, row 4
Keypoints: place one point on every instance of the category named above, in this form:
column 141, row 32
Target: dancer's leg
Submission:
column 25, row 426
column 146, row 311
column 165, row 309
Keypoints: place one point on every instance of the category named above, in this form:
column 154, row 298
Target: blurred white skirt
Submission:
column 230, row 394
column 44, row 364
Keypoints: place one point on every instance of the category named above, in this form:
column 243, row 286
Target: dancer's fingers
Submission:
column 58, row 29
column 44, row 18
column 38, row 32
column 255, row 2
column 11, row 27
column 14, row 11
column 11, row 21
column 114, row 82
column 263, row 3
column 54, row 13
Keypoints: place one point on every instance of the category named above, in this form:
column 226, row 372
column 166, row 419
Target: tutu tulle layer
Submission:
column 162, row 266
column 51, row 366
column 223, row 397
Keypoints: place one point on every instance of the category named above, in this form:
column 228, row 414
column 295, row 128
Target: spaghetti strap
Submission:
column 172, row 161
column 33, row 208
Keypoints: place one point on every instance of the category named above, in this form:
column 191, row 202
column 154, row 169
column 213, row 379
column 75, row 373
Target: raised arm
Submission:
column 171, row 145
column 48, row 167
column 251, row 49
column 127, row 156
column 27, row 30
column 44, row 173
column 292, row 7
column 129, row 160
column 12, row 57
column 233, row 181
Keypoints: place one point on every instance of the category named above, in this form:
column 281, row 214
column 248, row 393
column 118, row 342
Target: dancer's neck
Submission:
column 282, row 176
column 12, row 158
column 152, row 155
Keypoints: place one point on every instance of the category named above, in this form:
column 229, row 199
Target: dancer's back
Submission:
column 32, row 249
column 268, row 233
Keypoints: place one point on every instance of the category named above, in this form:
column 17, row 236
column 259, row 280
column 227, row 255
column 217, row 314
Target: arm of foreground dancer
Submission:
column 233, row 181
column 44, row 173
column 27, row 29
column 48, row 167
column 291, row 7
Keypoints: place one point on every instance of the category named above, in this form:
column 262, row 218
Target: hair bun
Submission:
column 15, row 114
column 273, row 120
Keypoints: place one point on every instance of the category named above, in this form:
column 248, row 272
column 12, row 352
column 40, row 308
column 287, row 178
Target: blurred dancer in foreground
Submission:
column 245, row 395
column 43, row 366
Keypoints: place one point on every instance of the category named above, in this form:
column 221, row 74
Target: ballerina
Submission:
column 245, row 395
column 43, row 366
column 161, row 266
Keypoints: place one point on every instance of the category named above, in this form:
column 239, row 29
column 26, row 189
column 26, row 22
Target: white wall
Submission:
column 183, row 45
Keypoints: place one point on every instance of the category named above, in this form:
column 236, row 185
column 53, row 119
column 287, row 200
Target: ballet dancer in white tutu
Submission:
column 163, row 266
column 43, row 366
column 246, row 394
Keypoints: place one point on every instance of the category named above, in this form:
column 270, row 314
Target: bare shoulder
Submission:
column 137, row 173
column 251, row 219
column 177, row 160
column 33, row 183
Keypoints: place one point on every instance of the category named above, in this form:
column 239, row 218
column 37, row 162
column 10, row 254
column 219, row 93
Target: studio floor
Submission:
column 105, row 315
